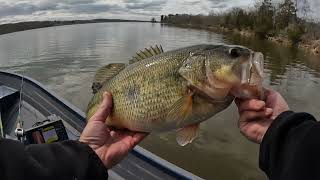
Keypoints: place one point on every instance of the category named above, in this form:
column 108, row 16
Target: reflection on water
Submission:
column 65, row 59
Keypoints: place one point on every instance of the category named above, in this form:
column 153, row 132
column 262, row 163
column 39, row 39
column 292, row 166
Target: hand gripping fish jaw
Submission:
column 251, row 78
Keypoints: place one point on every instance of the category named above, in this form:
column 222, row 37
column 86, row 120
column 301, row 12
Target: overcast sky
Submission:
column 29, row 10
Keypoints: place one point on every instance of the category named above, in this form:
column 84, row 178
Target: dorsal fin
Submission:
column 106, row 73
column 146, row 53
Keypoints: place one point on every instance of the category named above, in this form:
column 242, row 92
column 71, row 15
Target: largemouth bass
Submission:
column 161, row 91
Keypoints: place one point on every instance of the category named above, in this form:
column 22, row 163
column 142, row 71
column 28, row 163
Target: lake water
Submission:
column 65, row 59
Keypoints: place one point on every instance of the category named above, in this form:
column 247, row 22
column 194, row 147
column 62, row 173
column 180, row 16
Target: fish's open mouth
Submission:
column 251, row 78
column 258, row 62
column 252, row 70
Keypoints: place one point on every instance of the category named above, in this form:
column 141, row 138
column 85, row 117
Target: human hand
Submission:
column 256, row 116
column 110, row 145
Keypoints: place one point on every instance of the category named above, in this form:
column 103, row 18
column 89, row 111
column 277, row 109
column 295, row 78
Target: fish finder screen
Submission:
column 49, row 134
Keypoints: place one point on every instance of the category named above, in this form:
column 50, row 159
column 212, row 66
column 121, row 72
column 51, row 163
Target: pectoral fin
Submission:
column 181, row 110
column 187, row 134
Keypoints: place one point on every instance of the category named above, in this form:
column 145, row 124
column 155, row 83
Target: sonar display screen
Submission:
column 48, row 133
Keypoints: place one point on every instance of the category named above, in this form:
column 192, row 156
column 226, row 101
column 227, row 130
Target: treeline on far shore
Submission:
column 22, row 26
column 266, row 20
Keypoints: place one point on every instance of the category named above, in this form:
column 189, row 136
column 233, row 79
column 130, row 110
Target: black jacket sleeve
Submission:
column 290, row 148
column 62, row 160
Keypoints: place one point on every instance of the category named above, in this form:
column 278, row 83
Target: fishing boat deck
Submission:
column 38, row 103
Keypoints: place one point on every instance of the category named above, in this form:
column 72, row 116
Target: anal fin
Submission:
column 187, row 134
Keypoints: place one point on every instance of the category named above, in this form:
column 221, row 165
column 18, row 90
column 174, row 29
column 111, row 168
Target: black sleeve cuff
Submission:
column 96, row 166
column 61, row 160
column 276, row 137
column 64, row 160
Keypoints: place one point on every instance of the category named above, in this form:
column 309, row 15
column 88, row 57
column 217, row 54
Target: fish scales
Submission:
column 140, row 109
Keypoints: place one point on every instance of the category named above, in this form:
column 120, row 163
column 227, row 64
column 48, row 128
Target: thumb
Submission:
column 104, row 108
column 138, row 137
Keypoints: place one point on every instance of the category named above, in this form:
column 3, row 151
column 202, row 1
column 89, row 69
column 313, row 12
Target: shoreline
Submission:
column 29, row 25
column 311, row 47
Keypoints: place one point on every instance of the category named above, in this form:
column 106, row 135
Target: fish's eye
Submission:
column 234, row 52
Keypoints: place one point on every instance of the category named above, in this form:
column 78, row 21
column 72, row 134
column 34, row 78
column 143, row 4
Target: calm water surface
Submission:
column 65, row 59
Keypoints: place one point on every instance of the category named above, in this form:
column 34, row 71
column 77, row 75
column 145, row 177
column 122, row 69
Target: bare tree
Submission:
column 303, row 7
column 153, row 20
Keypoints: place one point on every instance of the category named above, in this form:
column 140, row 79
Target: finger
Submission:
column 120, row 134
column 251, row 105
column 135, row 137
column 248, row 116
column 270, row 94
column 104, row 108
column 138, row 137
column 268, row 112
